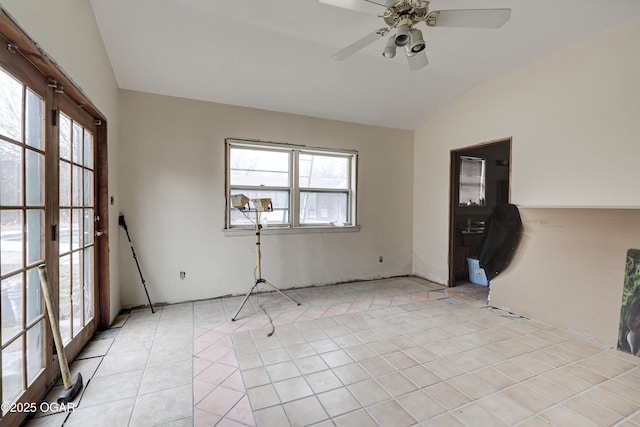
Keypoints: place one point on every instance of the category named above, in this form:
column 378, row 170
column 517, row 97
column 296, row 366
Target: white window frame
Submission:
column 294, row 188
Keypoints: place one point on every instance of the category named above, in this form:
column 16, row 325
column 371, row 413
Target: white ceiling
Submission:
column 275, row 54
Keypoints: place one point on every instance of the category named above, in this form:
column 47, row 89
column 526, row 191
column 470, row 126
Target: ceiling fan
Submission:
column 402, row 16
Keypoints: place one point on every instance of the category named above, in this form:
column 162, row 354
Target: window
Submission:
column 472, row 181
column 308, row 187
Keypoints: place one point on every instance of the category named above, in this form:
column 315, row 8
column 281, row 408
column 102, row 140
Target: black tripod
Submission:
column 123, row 224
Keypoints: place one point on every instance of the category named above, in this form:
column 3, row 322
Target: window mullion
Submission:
column 294, row 189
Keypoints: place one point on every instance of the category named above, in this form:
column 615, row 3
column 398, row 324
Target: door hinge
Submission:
column 54, row 117
column 54, row 232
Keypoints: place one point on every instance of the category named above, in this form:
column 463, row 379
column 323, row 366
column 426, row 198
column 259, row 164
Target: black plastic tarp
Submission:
column 500, row 239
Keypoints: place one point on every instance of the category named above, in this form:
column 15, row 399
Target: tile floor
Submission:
column 396, row 352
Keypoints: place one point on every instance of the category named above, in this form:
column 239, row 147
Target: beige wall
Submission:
column 573, row 116
column 67, row 31
column 172, row 174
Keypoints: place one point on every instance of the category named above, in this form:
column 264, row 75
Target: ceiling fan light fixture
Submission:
column 402, row 35
column 390, row 49
column 409, row 52
column 416, row 43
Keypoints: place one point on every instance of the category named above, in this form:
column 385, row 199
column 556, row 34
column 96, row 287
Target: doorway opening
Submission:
column 480, row 178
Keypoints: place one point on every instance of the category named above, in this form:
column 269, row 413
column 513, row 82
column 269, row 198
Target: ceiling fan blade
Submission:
column 360, row 44
column 469, row 18
column 372, row 7
column 417, row 61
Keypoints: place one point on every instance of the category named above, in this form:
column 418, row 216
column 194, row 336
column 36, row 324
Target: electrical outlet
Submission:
column 183, row 275
column 380, row 258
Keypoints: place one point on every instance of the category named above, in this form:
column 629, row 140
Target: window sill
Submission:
column 232, row 232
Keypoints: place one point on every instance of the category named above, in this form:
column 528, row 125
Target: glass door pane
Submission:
column 76, row 226
column 22, row 208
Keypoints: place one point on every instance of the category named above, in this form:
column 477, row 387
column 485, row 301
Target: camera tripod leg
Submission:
column 282, row 293
column 246, row 297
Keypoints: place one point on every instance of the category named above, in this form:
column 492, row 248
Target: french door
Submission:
column 48, row 215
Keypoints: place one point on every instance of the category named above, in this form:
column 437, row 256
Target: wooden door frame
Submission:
column 454, row 171
column 18, row 43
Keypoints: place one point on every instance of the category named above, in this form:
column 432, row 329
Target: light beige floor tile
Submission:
column 157, row 378
column 528, row 398
column 323, row 381
column 548, row 389
column 278, row 355
column 360, row 352
column 391, row 414
column 400, row 360
column 273, row 416
column 420, row 405
column 336, row 358
column 377, row 367
column 255, row 377
column 107, row 415
column 592, row 411
column 101, row 390
column 396, row 384
column 300, row 350
column 311, row 364
column 293, row 388
column 351, row 373
column 506, row 408
column 163, row 406
column 610, row 401
column 282, row 371
column 475, row 414
column 472, row 386
column 369, row 392
column 561, row 416
column 355, row 419
column 421, row 376
column 122, row 362
column 444, row 420
column 339, row 401
column 305, row 411
column 447, row 396
column 262, row 397
column 96, row 348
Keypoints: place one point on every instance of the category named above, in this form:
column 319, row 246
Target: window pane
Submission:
column 64, row 230
column 259, row 167
column 34, row 305
column 10, row 174
column 321, row 171
column 88, row 149
column 76, row 228
column 35, row 235
column 280, row 214
column 88, row 227
column 88, row 188
column 65, row 137
column 10, row 106
column 11, row 240
column 324, row 208
column 11, row 373
column 65, row 184
column 35, row 181
column 34, row 352
column 76, row 185
column 11, row 308
column 64, row 307
column 77, row 299
column 88, row 284
column 77, row 143
column 472, row 181
column 35, row 120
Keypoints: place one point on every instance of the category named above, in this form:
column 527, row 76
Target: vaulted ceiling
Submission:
column 275, row 54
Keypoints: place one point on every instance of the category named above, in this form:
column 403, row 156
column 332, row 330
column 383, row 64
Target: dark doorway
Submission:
column 480, row 180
